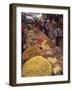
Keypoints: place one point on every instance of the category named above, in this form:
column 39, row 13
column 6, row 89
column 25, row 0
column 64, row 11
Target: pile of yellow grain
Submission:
column 37, row 66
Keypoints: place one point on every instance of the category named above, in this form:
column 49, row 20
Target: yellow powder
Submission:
column 37, row 66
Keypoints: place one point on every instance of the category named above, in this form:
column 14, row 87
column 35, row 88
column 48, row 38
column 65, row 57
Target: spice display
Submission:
column 42, row 49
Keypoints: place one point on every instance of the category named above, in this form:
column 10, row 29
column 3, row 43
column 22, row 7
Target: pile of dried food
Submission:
column 37, row 66
column 41, row 57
